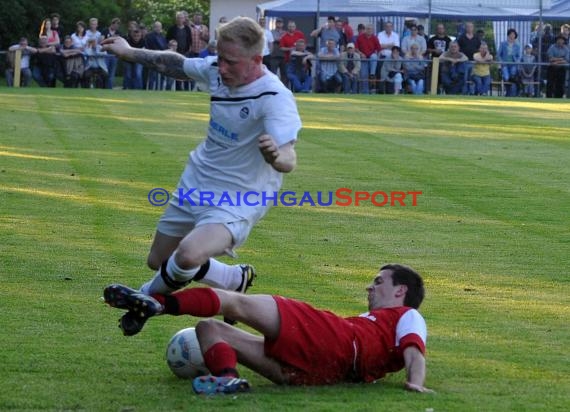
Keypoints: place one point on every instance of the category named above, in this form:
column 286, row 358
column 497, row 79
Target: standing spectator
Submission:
column 348, row 30
column 510, row 52
column 565, row 32
column 349, row 67
column 368, row 46
column 200, row 35
column 343, row 41
column 278, row 65
column 268, row 46
column 421, row 32
column 414, row 38
column 415, row 70
column 559, row 57
column 72, row 66
column 155, row 40
column 299, row 68
column 133, row 72
column 327, row 32
column 79, row 37
column 543, row 42
column 44, row 69
column 330, row 79
column 183, row 36
column 170, row 82
column 453, row 69
column 57, row 26
column 469, row 44
column 392, row 73
column 25, row 67
column 51, row 35
column 527, row 71
column 96, row 72
column 481, row 74
column 288, row 41
column 111, row 31
column 92, row 32
column 439, row 43
column 388, row 38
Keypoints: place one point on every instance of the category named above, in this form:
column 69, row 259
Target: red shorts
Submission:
column 315, row 347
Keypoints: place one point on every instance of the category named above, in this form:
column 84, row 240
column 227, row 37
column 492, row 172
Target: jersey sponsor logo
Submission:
column 244, row 112
column 222, row 131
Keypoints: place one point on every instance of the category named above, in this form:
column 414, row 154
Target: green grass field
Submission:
column 490, row 234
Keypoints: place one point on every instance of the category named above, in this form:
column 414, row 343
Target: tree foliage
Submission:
column 23, row 17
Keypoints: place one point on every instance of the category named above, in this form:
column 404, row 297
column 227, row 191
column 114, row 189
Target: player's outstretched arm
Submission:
column 415, row 370
column 283, row 159
column 167, row 62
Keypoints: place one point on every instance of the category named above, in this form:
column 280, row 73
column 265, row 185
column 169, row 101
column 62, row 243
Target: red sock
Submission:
column 201, row 302
column 221, row 360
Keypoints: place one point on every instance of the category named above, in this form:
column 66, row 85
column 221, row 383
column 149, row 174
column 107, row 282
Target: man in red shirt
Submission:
column 368, row 46
column 288, row 40
column 300, row 345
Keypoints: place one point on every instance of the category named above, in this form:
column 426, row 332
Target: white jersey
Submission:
column 229, row 161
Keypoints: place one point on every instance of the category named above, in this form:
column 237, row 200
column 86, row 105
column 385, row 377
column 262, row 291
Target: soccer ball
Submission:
column 183, row 355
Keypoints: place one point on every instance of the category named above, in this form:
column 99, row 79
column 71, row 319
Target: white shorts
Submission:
column 178, row 222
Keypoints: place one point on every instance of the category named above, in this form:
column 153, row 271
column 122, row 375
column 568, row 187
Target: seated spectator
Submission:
column 51, row 35
column 415, row 70
column 330, row 79
column 210, row 50
column 392, row 72
column 25, row 67
column 558, row 56
column 299, row 68
column 96, row 71
column 45, row 64
column 349, row 68
column 453, row 69
column 527, row 71
column 72, row 67
column 79, row 37
column 509, row 53
column 481, row 74
column 368, row 46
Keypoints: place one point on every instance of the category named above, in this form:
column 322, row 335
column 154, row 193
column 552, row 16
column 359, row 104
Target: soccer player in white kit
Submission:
column 249, row 145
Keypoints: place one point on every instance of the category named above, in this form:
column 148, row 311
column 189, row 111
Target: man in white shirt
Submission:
column 388, row 39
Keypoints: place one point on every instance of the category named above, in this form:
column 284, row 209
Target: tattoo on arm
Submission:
column 166, row 62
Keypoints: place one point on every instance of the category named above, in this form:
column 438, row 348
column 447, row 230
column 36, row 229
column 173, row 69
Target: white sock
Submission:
column 223, row 276
column 174, row 272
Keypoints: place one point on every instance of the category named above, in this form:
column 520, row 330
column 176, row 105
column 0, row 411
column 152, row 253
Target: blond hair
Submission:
column 244, row 31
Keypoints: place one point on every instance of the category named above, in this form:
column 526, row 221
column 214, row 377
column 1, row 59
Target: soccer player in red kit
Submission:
column 300, row 345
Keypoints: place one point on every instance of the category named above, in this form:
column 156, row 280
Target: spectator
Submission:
column 200, row 35
column 79, row 37
column 388, row 39
column 510, row 52
column 469, row 43
column 421, row 32
column 92, row 32
column 96, row 71
column 155, row 40
column 565, row 32
column 343, row 38
column 111, row 31
column 349, row 67
column 211, row 50
column 414, row 38
column 44, row 69
column 299, row 68
column 559, row 57
column 268, row 46
column 133, row 72
column 348, row 30
column 183, row 36
column 57, row 26
column 527, row 71
column 439, row 43
column 453, row 69
column 170, row 82
column 392, row 72
column 543, row 43
column 415, row 70
column 71, row 63
column 368, row 46
column 288, row 41
column 51, row 35
column 25, row 67
column 481, row 74
column 330, row 79
column 327, row 32
column 277, row 55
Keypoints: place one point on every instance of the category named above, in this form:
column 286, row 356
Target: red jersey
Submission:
column 289, row 39
column 317, row 347
column 367, row 45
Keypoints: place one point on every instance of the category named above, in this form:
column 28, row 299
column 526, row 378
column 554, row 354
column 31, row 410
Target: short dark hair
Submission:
column 512, row 31
column 405, row 275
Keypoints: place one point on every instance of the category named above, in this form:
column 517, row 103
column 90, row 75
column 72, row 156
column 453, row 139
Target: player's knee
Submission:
column 209, row 331
column 187, row 257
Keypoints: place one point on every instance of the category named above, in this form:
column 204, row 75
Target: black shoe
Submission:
column 248, row 275
column 140, row 307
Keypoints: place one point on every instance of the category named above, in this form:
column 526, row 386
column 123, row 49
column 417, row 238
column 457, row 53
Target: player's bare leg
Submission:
column 162, row 248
